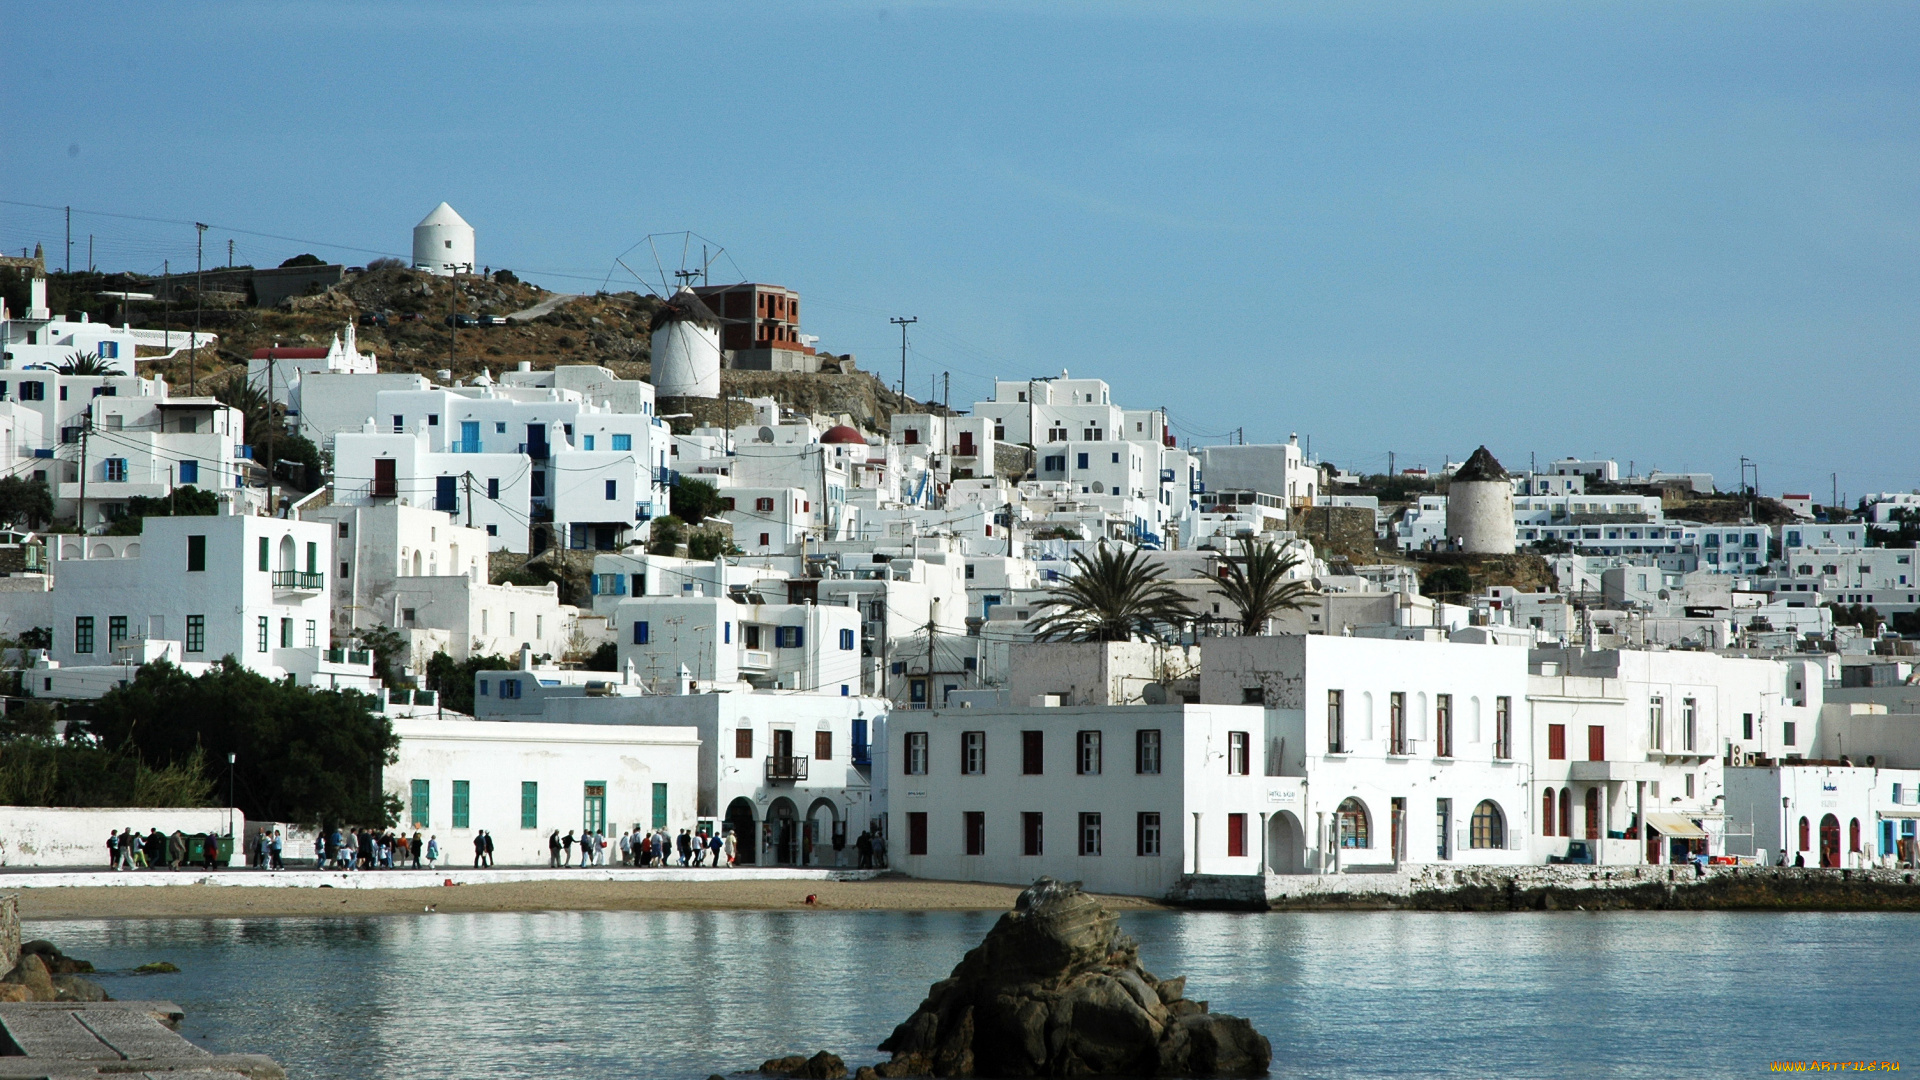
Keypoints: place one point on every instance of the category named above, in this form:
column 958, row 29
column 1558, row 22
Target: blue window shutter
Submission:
column 1083, row 460
column 189, row 472
column 613, row 489
column 726, row 633
column 483, row 688
column 640, row 633
column 593, row 584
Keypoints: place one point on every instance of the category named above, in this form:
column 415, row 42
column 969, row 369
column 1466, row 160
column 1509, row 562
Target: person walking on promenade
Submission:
column 682, row 843
column 714, row 847
column 274, row 849
column 731, row 845
column 626, row 849
column 863, row 847
column 553, row 848
column 415, row 847
column 479, row 849
column 586, row 847
column 487, row 841
column 210, row 849
column 433, row 852
column 566, row 842
column 128, row 844
column 176, row 850
column 879, row 849
column 113, row 849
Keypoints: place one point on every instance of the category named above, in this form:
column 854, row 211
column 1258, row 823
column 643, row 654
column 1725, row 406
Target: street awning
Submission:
column 1676, row 826
column 1899, row 813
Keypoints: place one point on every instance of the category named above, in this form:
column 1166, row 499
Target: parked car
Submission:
column 493, row 320
column 376, row 318
column 462, row 320
column 1577, row 852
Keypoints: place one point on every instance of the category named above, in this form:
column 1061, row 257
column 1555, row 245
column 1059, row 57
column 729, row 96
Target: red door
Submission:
column 1236, row 835
column 1596, row 743
column 1829, row 841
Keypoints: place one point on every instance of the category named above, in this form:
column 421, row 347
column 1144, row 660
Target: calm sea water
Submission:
column 685, row 994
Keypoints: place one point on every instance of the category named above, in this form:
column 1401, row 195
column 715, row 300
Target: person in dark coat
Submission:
column 486, row 845
column 553, row 848
column 176, row 849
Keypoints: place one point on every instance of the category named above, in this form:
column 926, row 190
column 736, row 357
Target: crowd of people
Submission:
column 377, row 849
column 643, row 847
column 128, row 850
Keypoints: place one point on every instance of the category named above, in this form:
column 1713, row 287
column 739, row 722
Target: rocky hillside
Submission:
column 609, row 329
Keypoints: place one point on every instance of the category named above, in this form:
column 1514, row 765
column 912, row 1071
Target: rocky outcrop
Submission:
column 44, row 973
column 1056, row 990
column 821, row 1066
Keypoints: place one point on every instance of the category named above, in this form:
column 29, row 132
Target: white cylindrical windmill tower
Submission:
column 1480, row 507
column 443, row 243
column 686, row 348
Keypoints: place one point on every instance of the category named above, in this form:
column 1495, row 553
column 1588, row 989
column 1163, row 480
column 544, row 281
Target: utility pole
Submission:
column 272, row 509
column 946, row 393
column 199, row 303
column 1389, row 464
column 69, row 240
column 166, row 303
column 80, row 515
column 1836, row 494
column 89, row 253
column 229, row 253
column 903, row 323
column 469, row 479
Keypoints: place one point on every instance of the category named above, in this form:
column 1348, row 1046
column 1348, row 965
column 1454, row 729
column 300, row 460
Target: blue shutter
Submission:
column 640, row 633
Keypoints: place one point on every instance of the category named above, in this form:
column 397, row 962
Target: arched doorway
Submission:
column 286, row 554
column 1829, row 841
column 816, row 842
column 1355, row 824
column 740, row 821
column 1286, row 844
column 1546, row 812
column 1853, row 835
column 1593, row 813
column 780, row 833
column 1566, row 811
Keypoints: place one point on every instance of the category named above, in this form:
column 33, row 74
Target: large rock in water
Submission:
column 1057, row 990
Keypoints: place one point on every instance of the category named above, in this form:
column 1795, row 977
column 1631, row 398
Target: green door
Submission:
column 659, row 806
column 417, row 805
column 461, row 803
column 594, row 813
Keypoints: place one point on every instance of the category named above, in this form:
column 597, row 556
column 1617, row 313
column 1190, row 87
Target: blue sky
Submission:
column 1671, row 233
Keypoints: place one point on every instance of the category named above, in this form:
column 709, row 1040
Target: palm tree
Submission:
column 1258, row 586
column 1111, row 597
column 86, row 363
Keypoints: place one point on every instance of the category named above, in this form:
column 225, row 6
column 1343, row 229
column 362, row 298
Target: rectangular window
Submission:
column 196, row 633
column 623, row 442
column 1787, row 730
column 973, row 753
column 823, row 745
column 286, row 633
column 743, row 742
column 1032, row 753
column 197, row 554
column 586, row 442
column 1146, row 752
column 509, row 688
column 1089, row 834
column 1397, row 724
column 640, row 633
column 529, row 804
column 1746, row 726
column 916, row 832
column 116, row 631
column 313, row 634
column 418, row 804
column 33, row 391
column 1443, row 823
column 1032, row 829
column 1236, row 836
column 1687, row 714
column 460, row 804
column 1086, row 756
column 1147, row 834
column 83, row 634
column 1557, row 742
column 189, row 472
column 538, row 484
column 789, row 637
column 264, row 627
column 313, row 557
column 916, row 753
column 493, row 487
column 263, row 553
column 846, row 641
column 1443, row 724
column 1596, row 742
column 1336, row 721
column 613, row 490
column 1238, row 755
column 976, row 832
column 1503, row 727
column 1657, row 723
column 116, row 470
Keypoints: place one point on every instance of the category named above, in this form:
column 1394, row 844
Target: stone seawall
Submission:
column 1550, row 888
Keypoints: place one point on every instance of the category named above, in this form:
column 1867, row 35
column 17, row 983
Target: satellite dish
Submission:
column 766, row 435
column 1154, row 694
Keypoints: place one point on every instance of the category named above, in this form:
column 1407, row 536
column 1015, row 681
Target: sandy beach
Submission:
column 204, row 901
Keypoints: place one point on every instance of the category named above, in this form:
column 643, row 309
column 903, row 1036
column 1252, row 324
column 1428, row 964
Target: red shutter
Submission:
column 1557, row 742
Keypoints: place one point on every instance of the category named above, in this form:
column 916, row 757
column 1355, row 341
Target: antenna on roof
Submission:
column 663, row 283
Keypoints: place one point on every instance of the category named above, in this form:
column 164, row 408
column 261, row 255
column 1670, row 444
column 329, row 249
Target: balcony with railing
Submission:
column 463, row 446
column 787, row 768
column 356, row 657
column 299, row 580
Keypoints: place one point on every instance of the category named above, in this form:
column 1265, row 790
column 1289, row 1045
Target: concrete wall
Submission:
column 1095, row 672
column 77, row 836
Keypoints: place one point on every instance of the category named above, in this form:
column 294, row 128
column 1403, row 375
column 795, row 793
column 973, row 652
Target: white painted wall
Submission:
column 77, row 836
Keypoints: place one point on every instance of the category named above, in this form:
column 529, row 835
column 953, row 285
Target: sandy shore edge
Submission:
column 208, row 901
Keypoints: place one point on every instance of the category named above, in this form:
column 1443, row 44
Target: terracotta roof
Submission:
column 1481, row 466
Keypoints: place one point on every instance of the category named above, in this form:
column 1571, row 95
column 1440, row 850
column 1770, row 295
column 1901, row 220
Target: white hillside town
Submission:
column 1038, row 634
